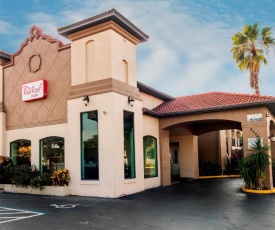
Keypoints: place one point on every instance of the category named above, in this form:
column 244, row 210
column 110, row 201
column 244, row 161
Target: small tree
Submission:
column 260, row 158
column 253, row 167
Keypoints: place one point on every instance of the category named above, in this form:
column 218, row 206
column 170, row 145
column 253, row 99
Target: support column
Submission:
column 222, row 149
column 229, row 142
column 188, row 156
column 262, row 130
column 165, row 158
column 2, row 113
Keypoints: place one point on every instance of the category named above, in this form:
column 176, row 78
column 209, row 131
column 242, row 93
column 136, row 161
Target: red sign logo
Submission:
column 34, row 90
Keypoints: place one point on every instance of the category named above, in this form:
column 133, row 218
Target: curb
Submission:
column 221, row 176
column 268, row 191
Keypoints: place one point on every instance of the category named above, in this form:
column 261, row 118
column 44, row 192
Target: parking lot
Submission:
column 195, row 204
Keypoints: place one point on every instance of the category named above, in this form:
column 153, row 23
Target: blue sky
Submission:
column 188, row 51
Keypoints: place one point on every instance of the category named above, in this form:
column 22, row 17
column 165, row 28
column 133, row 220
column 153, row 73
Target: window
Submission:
column 129, row 145
column 150, row 157
column 51, row 154
column 89, row 146
column 20, row 152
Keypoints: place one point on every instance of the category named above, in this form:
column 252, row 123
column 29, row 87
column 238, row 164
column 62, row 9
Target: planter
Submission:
column 47, row 190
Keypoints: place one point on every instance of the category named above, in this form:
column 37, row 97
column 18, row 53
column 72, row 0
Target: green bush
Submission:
column 40, row 181
column 23, row 175
column 6, row 170
column 234, row 161
column 209, row 168
column 253, row 167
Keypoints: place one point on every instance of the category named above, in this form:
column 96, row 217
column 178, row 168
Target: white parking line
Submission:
column 11, row 214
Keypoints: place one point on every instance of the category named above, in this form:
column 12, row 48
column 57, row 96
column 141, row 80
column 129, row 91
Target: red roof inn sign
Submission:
column 34, row 90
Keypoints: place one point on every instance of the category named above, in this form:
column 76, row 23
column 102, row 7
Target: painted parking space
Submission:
column 11, row 214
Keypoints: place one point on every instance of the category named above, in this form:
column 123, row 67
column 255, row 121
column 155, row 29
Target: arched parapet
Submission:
column 36, row 33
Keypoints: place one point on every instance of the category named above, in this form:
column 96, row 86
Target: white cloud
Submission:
column 188, row 51
column 5, row 27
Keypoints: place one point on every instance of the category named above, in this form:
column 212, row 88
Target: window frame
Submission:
column 11, row 150
column 40, row 152
column 155, row 156
column 82, row 155
column 132, row 167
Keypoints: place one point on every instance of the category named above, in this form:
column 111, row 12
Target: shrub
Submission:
column 209, row 168
column 61, row 177
column 235, row 159
column 253, row 167
column 23, row 175
column 41, row 181
column 6, row 169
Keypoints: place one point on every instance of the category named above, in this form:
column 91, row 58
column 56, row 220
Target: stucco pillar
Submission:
column 2, row 114
column 222, row 145
column 165, row 158
column 229, row 142
column 262, row 130
column 188, row 157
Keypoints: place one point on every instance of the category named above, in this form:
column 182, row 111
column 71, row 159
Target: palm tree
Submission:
column 249, row 50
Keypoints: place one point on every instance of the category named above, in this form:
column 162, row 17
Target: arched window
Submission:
column 90, row 61
column 51, row 154
column 150, row 157
column 20, row 152
column 125, row 71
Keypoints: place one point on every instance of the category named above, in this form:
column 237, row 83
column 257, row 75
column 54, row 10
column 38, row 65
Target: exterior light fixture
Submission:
column 267, row 115
column 272, row 138
column 131, row 101
column 86, row 100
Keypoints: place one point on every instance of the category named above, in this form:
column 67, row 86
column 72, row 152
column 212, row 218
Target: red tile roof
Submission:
column 208, row 100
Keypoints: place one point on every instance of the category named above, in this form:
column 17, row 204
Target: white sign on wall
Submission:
column 254, row 117
column 251, row 142
column 34, row 90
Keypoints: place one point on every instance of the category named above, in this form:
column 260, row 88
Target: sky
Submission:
column 188, row 51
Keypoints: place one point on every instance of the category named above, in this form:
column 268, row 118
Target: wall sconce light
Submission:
column 272, row 138
column 131, row 101
column 267, row 115
column 86, row 100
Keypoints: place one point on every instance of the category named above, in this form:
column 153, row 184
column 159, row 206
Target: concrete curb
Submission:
column 268, row 191
column 221, row 176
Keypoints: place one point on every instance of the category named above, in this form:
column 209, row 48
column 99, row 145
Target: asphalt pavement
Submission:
column 194, row 204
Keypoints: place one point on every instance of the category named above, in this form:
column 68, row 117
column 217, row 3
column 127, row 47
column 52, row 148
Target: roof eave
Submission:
column 153, row 92
column 111, row 15
column 269, row 104
column 5, row 56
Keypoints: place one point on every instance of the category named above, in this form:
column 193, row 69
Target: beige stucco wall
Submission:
column 151, row 128
column 54, row 68
column 2, row 116
column 188, row 155
column 150, row 102
column 223, row 149
column 209, row 151
column 110, row 107
column 109, row 51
